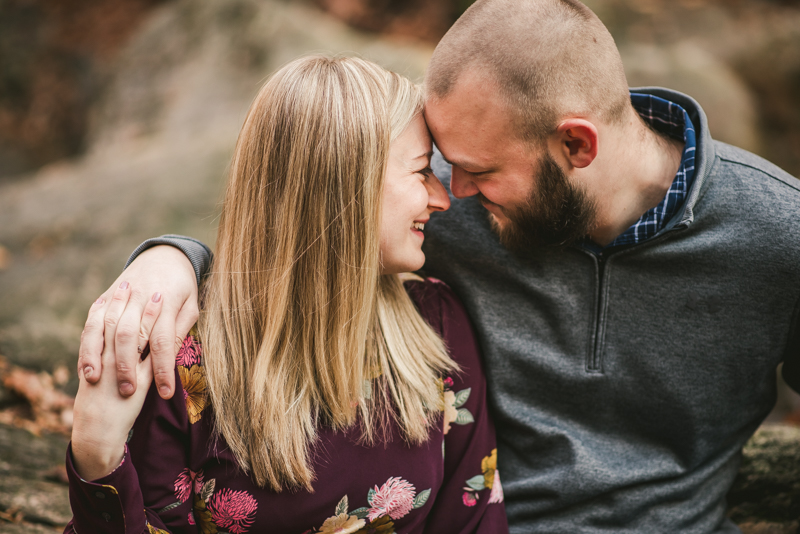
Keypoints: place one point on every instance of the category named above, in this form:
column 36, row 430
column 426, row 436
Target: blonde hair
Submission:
column 299, row 327
column 549, row 59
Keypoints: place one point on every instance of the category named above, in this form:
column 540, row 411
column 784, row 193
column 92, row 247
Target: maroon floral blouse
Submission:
column 178, row 477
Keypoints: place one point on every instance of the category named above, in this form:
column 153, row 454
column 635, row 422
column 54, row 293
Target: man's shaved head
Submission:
column 550, row 59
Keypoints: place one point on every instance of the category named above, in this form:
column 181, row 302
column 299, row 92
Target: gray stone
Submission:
column 766, row 493
column 30, row 480
column 687, row 67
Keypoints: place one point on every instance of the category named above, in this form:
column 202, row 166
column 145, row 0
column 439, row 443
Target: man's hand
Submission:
column 159, row 273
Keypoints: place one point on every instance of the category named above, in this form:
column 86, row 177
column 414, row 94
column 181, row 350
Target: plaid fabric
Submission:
column 669, row 119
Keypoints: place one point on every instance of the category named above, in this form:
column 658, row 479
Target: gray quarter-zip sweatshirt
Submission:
column 625, row 385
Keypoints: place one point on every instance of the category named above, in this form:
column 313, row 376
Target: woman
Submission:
column 313, row 395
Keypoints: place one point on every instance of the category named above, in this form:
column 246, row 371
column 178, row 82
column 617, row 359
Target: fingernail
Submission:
column 126, row 388
column 101, row 300
column 163, row 391
column 156, row 297
column 87, row 371
column 123, row 285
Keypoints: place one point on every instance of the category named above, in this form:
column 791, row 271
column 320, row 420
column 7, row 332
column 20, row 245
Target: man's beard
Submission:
column 556, row 213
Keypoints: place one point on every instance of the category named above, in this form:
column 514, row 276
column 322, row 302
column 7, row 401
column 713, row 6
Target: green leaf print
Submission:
column 477, row 483
column 341, row 508
column 208, row 489
column 370, row 496
column 464, row 417
column 169, row 507
column 360, row 513
column 461, row 397
column 422, row 498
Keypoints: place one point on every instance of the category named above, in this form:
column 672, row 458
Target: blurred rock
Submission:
column 5, row 258
column 405, row 18
column 686, row 67
column 739, row 58
column 28, row 493
column 766, row 494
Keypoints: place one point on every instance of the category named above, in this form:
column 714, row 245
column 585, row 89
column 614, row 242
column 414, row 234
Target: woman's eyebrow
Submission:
column 427, row 155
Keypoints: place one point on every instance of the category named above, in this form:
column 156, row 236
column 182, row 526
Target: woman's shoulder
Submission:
column 442, row 309
column 433, row 298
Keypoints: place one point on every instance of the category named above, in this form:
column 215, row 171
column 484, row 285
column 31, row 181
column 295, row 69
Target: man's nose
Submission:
column 461, row 185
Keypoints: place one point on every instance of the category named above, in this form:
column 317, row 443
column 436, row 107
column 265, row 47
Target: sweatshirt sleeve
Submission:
column 199, row 254
column 143, row 494
column 471, row 497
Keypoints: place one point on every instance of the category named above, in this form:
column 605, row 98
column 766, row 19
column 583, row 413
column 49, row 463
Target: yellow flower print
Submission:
column 194, row 390
column 342, row 524
column 382, row 525
column 153, row 530
column 488, row 466
column 202, row 515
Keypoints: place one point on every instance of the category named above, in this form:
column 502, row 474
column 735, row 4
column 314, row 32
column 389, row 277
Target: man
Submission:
column 634, row 283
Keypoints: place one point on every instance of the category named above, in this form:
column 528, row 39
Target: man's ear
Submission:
column 577, row 139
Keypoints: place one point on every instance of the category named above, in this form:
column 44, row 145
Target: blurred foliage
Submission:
column 52, row 53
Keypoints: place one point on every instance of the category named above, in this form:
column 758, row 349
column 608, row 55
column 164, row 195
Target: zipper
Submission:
column 594, row 358
column 594, row 361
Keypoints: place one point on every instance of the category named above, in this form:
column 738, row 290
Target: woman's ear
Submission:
column 577, row 140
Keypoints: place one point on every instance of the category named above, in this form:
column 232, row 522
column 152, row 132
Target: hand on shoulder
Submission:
column 162, row 271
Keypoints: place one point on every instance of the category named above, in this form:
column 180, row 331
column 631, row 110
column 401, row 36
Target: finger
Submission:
column 91, row 349
column 144, row 377
column 127, row 343
column 151, row 313
column 187, row 318
column 112, row 359
column 165, row 370
column 163, row 351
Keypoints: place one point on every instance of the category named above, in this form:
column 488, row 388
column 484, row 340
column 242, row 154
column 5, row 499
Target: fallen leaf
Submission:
column 43, row 407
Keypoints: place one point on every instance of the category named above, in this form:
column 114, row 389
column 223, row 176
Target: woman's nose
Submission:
column 438, row 199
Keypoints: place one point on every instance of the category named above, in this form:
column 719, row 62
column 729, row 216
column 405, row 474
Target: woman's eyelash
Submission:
column 427, row 171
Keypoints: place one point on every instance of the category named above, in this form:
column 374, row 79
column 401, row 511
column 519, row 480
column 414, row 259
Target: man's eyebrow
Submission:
column 464, row 165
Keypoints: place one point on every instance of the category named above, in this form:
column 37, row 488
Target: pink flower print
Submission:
column 187, row 481
column 190, row 518
column 497, row 489
column 183, row 485
column 448, row 382
column 189, row 353
column 395, row 499
column 469, row 498
column 233, row 510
